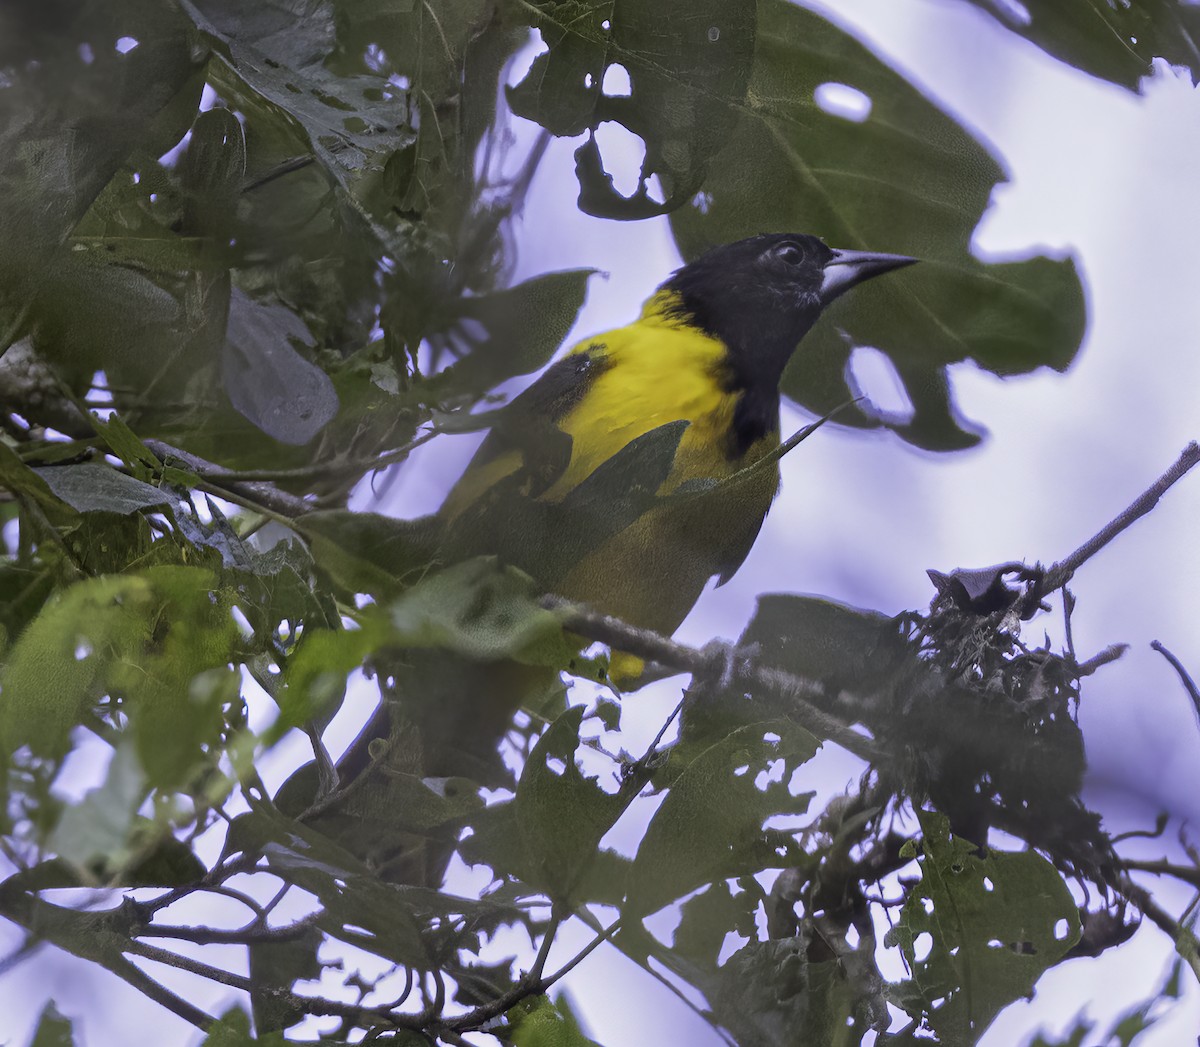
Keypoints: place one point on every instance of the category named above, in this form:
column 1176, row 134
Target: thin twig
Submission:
column 582, row 955
column 1110, row 654
column 529, row 985
column 1060, row 573
column 1185, row 941
column 1187, row 873
column 539, row 963
column 90, row 936
column 1189, row 684
column 254, row 933
column 334, row 467
column 261, row 495
column 185, row 963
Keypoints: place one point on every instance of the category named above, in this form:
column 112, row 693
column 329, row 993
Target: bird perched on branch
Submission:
column 636, row 468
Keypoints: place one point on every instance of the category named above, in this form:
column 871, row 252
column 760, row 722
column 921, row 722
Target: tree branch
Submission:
column 259, row 494
column 1189, row 684
column 1060, row 573
column 654, row 647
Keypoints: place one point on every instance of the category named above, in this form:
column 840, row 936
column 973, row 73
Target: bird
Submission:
column 605, row 479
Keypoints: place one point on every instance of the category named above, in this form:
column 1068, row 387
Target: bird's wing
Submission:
column 526, row 436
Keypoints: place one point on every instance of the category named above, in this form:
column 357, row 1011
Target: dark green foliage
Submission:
column 1116, row 42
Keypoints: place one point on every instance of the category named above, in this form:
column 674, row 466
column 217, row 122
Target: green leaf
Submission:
column 95, row 834
column 523, row 326
column 424, row 42
column 92, row 487
column 482, row 610
column 67, row 126
column 314, row 679
column 1116, row 42
column 711, row 824
column 211, row 172
column 354, row 119
column 269, row 382
column 905, row 178
column 369, row 552
column 91, row 314
column 542, row 1022
column 833, row 643
column 562, row 814
column 162, row 860
column 233, row 1030
column 151, row 637
column 994, row 925
column 23, row 481
column 770, row 993
column 53, row 1030
column 51, row 676
column 275, row 967
column 685, row 88
column 126, row 445
column 706, row 920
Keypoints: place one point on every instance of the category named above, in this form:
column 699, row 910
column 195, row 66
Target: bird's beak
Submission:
column 848, row 268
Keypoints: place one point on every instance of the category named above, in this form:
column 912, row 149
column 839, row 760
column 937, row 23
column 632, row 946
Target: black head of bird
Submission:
column 761, row 295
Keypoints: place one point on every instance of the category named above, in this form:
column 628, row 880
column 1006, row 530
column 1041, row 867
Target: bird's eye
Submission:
column 791, row 254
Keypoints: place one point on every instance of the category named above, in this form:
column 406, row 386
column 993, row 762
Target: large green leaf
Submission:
column 906, row 178
column 522, row 327
column 995, row 924
column 160, row 639
column 828, row 642
column 279, row 48
column 771, row 993
column 711, row 824
column 67, row 125
column 267, row 380
column 92, row 487
column 482, row 610
column 684, row 83
column 542, row 1022
column 562, row 814
column 1114, row 41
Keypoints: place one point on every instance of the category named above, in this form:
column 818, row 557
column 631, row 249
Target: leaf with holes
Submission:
column 995, row 924
column 898, row 175
column 685, row 87
column 562, row 814
column 711, row 824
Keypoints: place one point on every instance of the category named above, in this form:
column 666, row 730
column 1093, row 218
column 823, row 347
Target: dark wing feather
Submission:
column 528, row 425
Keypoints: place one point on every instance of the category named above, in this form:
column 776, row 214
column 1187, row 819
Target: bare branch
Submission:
column 1189, row 684
column 1060, row 573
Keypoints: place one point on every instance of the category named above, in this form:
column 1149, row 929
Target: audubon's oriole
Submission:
column 701, row 368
